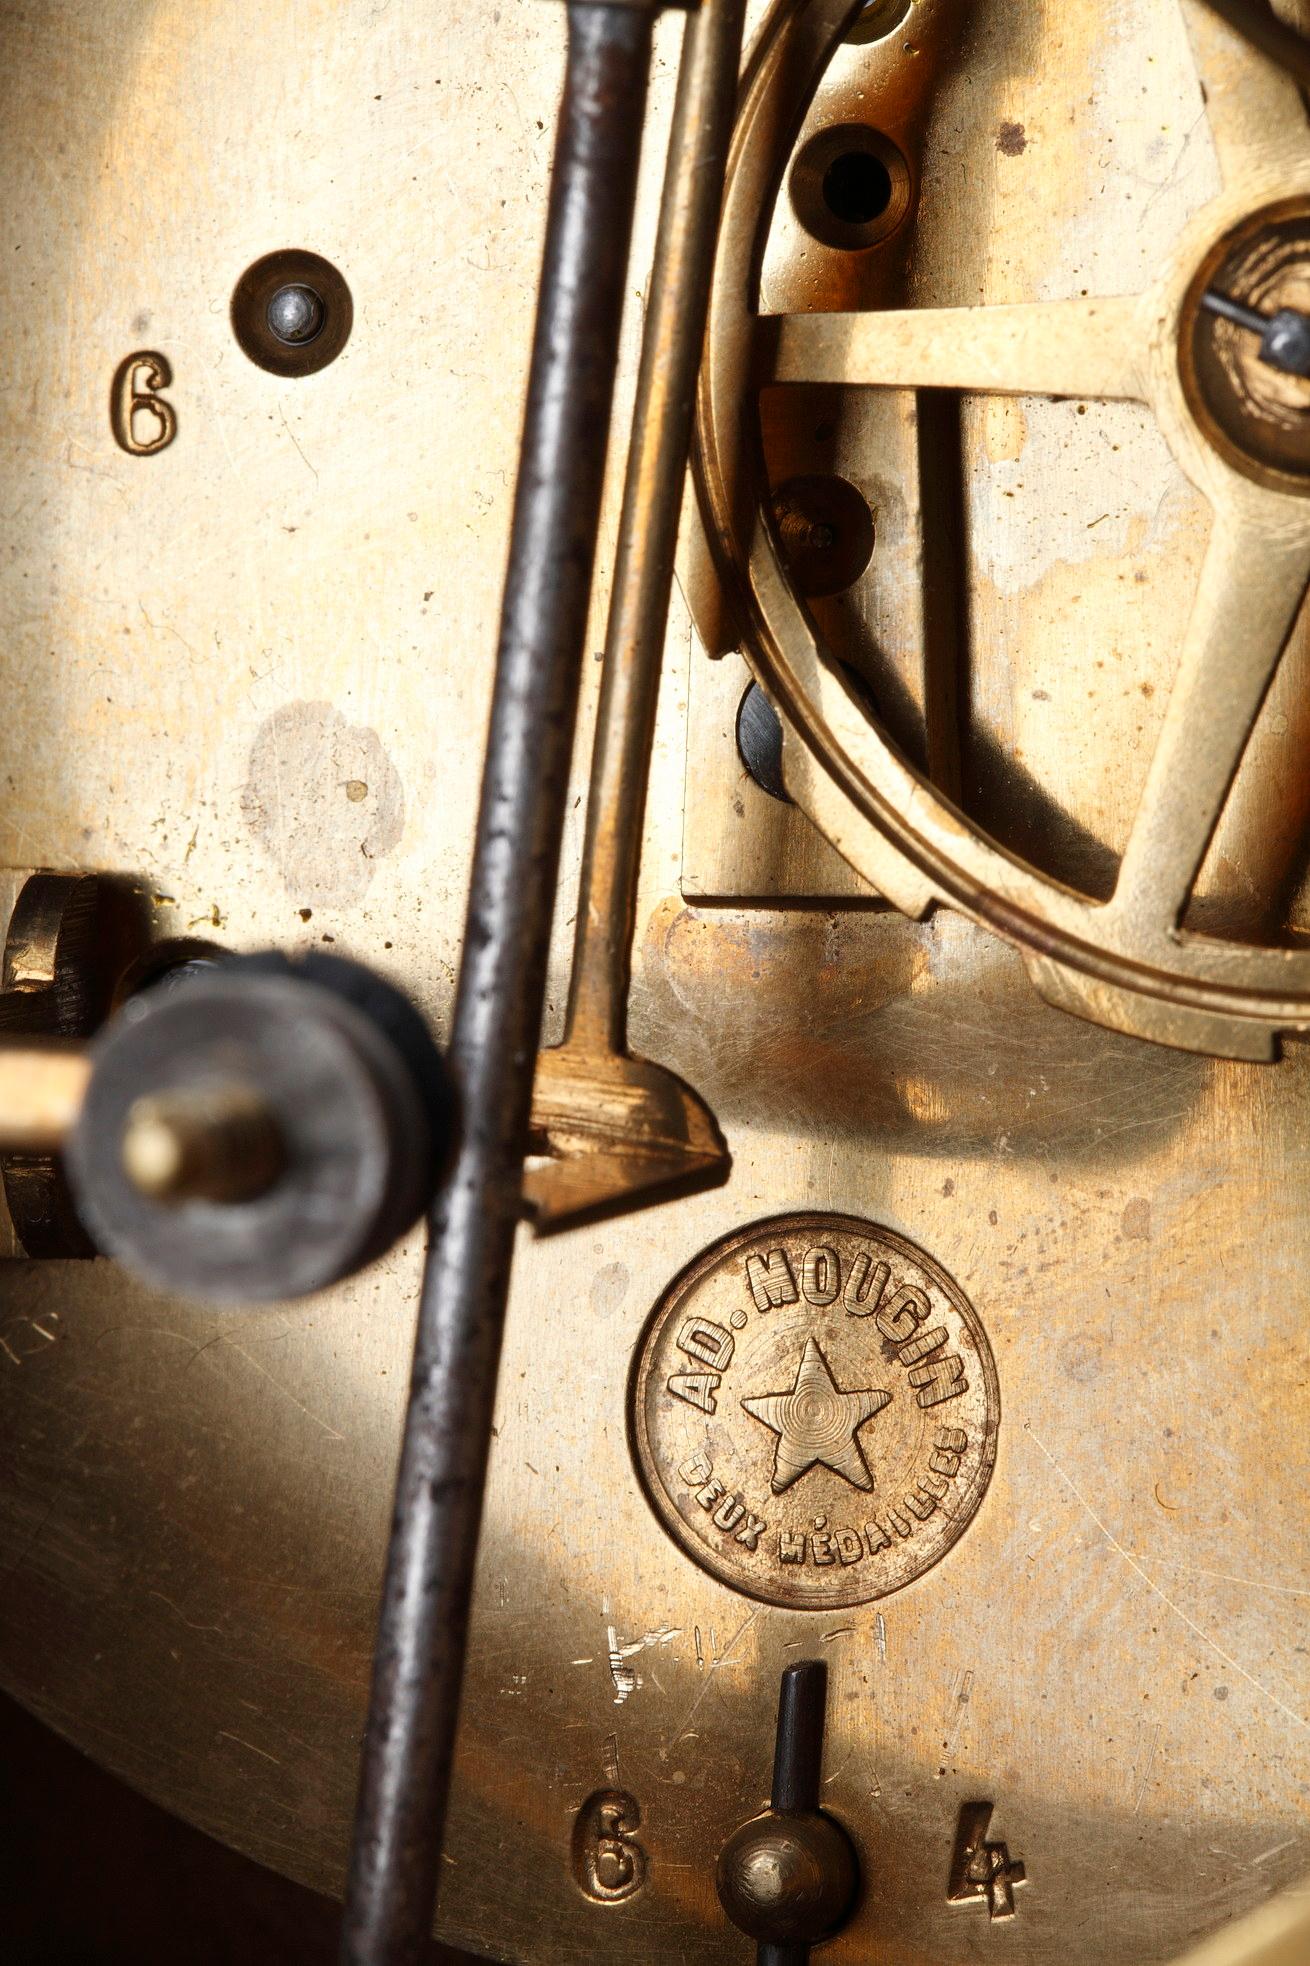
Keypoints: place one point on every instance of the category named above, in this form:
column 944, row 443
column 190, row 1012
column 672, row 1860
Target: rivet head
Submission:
column 295, row 314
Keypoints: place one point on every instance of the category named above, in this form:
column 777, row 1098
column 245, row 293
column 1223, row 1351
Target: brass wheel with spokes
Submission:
column 1128, row 961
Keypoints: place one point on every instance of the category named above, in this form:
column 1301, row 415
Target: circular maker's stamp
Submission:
column 815, row 1409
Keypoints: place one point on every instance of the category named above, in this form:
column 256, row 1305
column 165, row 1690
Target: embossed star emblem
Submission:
column 817, row 1421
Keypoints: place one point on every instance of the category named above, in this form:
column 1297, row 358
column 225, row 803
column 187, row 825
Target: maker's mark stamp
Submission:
column 815, row 1411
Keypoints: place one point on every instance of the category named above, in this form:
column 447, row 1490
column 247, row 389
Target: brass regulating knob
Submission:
column 788, row 1878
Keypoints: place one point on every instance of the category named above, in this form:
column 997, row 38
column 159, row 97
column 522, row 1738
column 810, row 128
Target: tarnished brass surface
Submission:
column 252, row 669
column 1275, row 1935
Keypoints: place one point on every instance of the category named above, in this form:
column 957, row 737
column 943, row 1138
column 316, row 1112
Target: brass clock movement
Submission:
column 654, row 1285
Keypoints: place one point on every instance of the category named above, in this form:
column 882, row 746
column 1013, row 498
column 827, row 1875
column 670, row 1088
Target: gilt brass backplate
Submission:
column 248, row 630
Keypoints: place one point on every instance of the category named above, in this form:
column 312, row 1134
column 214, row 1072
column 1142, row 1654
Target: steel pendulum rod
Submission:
column 409, row 1744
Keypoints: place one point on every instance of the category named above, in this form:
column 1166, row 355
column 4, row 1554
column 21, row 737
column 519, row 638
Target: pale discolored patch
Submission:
column 1137, row 1219
column 324, row 800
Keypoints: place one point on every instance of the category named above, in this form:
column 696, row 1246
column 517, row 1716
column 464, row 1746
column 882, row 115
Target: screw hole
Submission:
column 857, row 187
column 292, row 312
column 851, row 187
column 826, row 530
column 295, row 314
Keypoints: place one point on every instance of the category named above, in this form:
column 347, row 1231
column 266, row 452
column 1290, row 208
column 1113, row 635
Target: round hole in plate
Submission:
column 1255, row 415
column 292, row 312
column 851, row 187
column 879, row 18
column 857, row 187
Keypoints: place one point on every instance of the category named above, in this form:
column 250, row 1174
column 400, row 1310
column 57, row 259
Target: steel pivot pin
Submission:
column 1284, row 335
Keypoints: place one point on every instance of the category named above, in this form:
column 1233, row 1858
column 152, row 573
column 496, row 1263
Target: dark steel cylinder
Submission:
column 309, row 1110
column 798, row 1747
column 418, row 1667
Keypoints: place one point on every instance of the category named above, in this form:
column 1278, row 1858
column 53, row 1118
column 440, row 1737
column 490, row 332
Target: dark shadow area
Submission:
column 91, row 1874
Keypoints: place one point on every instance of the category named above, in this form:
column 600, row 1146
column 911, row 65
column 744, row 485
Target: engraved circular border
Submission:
column 674, row 1296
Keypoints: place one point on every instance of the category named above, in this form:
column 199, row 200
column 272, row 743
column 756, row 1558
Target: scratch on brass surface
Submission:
column 28, row 1546
column 296, row 441
column 1276, row 1850
column 224, row 1735
column 208, row 1345
column 840, row 1769
column 1192, row 1626
column 285, row 1391
column 719, row 1659
column 1147, row 1765
column 180, row 1613
column 29, row 1324
column 961, row 1694
column 1247, row 1583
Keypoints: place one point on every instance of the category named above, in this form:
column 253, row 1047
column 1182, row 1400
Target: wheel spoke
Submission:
column 1253, row 106
column 1047, row 348
column 1252, row 582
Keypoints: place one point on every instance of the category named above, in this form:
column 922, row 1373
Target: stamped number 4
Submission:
column 980, row 1869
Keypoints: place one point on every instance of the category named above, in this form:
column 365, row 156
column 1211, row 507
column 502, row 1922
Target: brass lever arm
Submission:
column 618, row 1129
